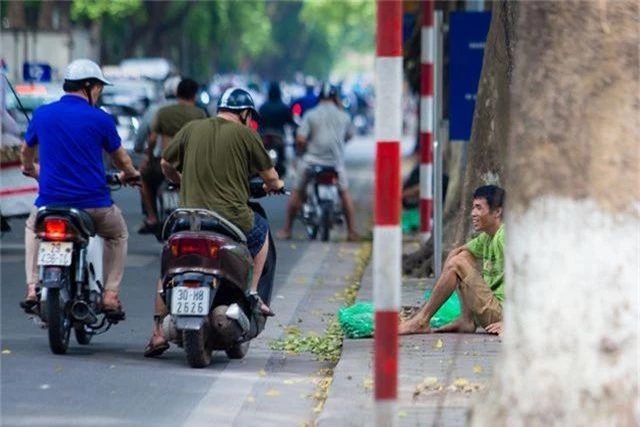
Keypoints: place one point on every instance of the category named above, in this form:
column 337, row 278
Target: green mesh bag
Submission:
column 356, row 320
column 449, row 311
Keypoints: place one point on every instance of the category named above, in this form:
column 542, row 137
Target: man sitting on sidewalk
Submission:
column 481, row 292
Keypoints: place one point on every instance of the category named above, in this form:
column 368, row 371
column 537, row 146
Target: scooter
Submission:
column 322, row 208
column 206, row 277
column 71, row 275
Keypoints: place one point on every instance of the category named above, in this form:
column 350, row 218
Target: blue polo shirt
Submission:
column 71, row 135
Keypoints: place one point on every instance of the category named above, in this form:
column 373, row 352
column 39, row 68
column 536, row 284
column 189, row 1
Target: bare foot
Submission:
column 413, row 326
column 284, row 234
column 460, row 326
column 156, row 346
column 353, row 237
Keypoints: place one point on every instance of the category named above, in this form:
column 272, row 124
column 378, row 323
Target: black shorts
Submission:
column 152, row 172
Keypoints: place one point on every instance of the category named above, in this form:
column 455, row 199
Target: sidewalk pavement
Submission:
column 439, row 375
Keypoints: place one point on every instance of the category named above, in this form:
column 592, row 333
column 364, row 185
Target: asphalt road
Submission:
column 110, row 383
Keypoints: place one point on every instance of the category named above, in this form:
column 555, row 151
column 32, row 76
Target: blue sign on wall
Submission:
column 36, row 72
column 467, row 37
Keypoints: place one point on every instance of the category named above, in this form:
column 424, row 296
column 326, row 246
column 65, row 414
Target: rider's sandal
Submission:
column 114, row 312
column 260, row 305
column 155, row 350
column 30, row 304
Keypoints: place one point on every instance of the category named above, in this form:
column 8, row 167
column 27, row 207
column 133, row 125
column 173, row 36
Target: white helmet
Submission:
column 84, row 69
column 171, row 86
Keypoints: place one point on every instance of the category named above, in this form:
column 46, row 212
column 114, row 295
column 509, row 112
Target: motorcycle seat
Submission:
column 214, row 223
column 321, row 169
column 79, row 218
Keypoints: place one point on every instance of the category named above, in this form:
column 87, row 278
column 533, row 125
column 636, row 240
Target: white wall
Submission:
column 53, row 47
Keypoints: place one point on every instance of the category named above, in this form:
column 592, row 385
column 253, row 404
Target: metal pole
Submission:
column 387, row 234
column 437, row 145
column 426, row 121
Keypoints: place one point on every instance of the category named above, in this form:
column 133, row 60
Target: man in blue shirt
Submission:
column 71, row 134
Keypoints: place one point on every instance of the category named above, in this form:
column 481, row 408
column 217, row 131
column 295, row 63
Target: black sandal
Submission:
column 259, row 305
column 29, row 306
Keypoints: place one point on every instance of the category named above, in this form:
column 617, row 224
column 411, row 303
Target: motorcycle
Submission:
column 275, row 146
column 71, row 275
column 206, row 274
column 167, row 200
column 322, row 208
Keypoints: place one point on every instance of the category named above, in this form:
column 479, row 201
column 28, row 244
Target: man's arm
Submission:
column 122, row 161
column 271, row 180
column 28, row 157
column 170, row 172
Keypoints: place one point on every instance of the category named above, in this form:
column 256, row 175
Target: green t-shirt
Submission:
column 490, row 251
column 170, row 118
column 216, row 158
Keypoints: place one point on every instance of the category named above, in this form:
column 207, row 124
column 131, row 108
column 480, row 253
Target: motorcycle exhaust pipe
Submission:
column 234, row 312
column 81, row 311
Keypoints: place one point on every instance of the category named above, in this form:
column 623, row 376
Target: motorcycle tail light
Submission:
column 297, row 109
column 55, row 229
column 327, row 178
column 191, row 245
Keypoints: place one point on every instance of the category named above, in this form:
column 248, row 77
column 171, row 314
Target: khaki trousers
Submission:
column 109, row 224
column 476, row 293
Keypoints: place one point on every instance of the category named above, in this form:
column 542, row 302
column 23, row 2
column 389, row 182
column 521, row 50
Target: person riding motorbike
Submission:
column 167, row 122
column 72, row 134
column 323, row 131
column 274, row 115
column 213, row 160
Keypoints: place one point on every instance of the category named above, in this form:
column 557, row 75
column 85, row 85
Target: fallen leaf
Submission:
column 58, row 368
column 293, row 246
column 288, row 382
column 6, row 351
column 262, row 373
column 112, row 367
column 367, row 383
column 438, row 344
column 478, row 369
column 402, row 414
column 251, row 399
column 272, row 392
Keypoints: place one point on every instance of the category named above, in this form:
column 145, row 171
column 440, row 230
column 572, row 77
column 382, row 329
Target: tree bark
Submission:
column 16, row 15
column 487, row 147
column 571, row 342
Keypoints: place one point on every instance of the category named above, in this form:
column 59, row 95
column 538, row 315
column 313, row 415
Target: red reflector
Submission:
column 296, row 109
column 191, row 284
column 188, row 245
column 327, row 178
column 55, row 229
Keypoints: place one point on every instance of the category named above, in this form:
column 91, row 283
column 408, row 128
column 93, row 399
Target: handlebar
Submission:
column 113, row 180
column 256, row 189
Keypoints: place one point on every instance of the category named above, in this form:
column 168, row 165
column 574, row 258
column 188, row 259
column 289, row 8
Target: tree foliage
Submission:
column 96, row 9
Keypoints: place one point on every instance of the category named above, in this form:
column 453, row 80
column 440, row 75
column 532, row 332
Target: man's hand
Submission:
column 130, row 177
column 32, row 171
column 273, row 186
column 495, row 328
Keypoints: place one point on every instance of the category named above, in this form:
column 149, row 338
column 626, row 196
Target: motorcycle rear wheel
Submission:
column 238, row 350
column 326, row 221
column 83, row 337
column 197, row 348
column 59, row 322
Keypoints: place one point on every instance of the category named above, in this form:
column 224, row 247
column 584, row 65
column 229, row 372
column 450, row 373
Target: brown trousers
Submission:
column 110, row 225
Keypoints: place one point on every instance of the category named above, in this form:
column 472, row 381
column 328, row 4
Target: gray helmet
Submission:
column 328, row 91
column 237, row 99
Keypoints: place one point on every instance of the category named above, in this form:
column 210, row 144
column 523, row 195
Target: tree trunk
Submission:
column 487, row 148
column 16, row 15
column 571, row 343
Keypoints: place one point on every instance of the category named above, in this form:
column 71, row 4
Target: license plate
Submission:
column 190, row 301
column 55, row 253
column 326, row 192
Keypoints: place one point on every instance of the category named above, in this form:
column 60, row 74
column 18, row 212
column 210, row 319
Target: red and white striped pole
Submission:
column 426, row 120
column 387, row 234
